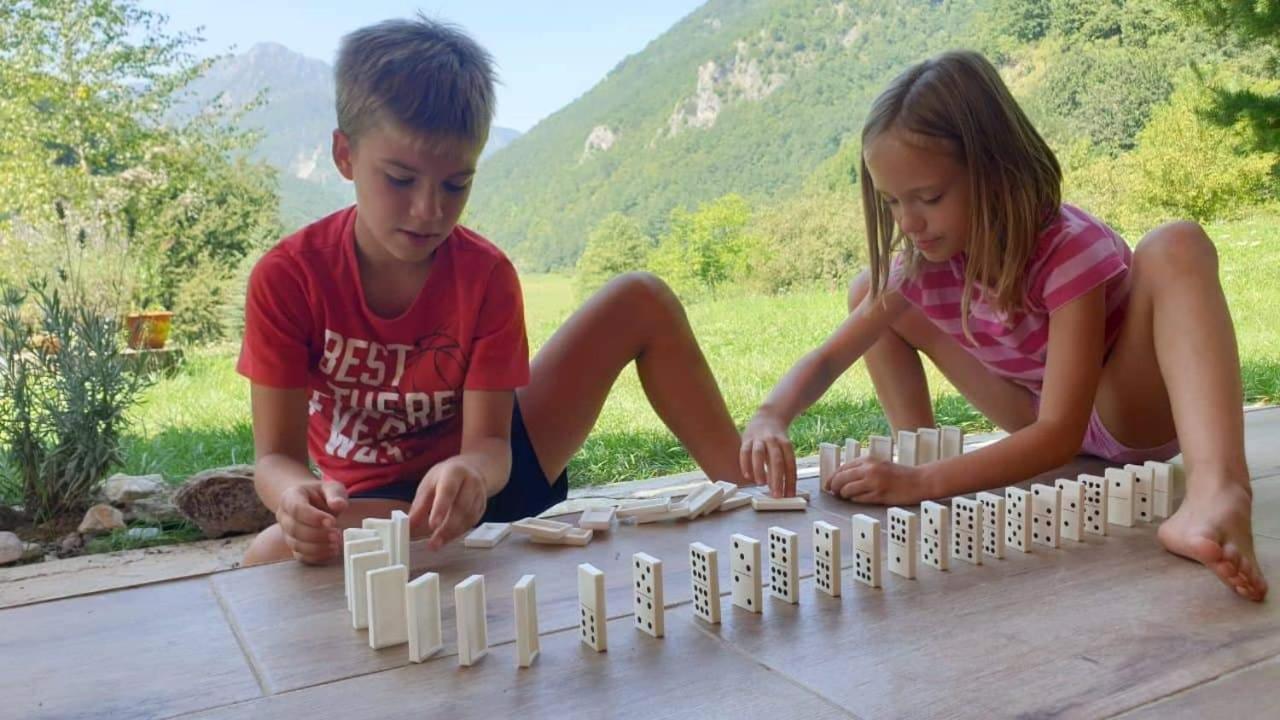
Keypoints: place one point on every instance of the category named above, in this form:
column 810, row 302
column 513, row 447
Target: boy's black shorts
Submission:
column 527, row 492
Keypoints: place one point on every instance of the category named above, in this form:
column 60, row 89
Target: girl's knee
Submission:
column 1177, row 247
column 643, row 293
column 268, row 546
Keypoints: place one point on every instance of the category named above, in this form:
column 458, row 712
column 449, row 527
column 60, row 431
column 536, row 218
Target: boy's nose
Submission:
column 426, row 206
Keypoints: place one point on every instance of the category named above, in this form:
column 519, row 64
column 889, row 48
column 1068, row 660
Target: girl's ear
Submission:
column 342, row 154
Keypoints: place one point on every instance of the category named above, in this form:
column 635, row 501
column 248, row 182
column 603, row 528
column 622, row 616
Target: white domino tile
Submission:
column 744, row 567
column 422, row 611
column 473, row 623
column 784, row 564
column 704, row 570
column 935, row 535
column 826, row 558
column 1046, row 506
column 993, row 524
column 647, row 594
column 526, row 606
column 866, row 549
column 904, row 539
column 1017, row 519
column 1071, row 521
column 592, row 628
column 966, row 530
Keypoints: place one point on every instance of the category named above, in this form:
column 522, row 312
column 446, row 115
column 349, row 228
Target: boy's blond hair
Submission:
column 428, row 76
column 957, row 103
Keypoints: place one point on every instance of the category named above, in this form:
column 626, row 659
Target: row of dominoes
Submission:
column 913, row 448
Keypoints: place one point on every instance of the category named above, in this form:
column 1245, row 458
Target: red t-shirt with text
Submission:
column 385, row 394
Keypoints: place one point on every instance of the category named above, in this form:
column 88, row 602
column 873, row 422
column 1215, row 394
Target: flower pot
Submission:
column 148, row 330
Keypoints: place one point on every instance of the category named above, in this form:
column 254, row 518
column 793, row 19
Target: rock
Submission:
column 101, row 519
column 156, row 510
column 121, row 489
column 12, row 548
column 32, row 551
column 10, row 517
column 144, row 533
column 70, row 544
column 222, row 501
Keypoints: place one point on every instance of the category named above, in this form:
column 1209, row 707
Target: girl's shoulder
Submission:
column 1074, row 229
column 1075, row 252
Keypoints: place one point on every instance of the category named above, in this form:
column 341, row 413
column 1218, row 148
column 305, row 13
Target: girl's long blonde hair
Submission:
column 957, row 100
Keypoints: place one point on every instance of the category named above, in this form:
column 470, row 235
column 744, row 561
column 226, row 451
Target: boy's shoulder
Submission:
column 321, row 238
column 472, row 249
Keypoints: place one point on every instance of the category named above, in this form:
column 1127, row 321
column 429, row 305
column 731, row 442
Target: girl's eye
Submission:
column 890, row 202
column 933, row 200
column 399, row 181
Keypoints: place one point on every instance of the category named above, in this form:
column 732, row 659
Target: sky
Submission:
column 548, row 53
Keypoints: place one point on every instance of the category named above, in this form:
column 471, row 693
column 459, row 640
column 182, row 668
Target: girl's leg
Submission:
column 635, row 317
column 898, row 373
column 1175, row 366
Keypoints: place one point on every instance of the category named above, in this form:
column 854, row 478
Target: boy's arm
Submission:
column 454, row 493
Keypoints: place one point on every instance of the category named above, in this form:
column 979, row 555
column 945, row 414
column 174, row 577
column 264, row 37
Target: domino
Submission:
column 388, row 625
column 866, row 550
column 827, row 571
column 422, row 608
column 935, row 528
column 1017, row 518
column 881, row 447
column 487, row 535
column 1163, row 496
column 400, row 538
column 852, row 450
column 828, row 463
column 1095, row 503
column 744, row 566
column 1144, row 481
column 784, row 564
column 993, row 524
column 473, row 623
column 908, row 448
column 382, row 526
column 704, row 500
column 649, row 607
column 361, row 565
column 764, row 503
column 526, row 601
column 1120, row 505
column 729, row 489
column 572, row 536
column 541, row 528
column 597, row 518
column 928, row 445
column 360, row 544
column 593, row 628
column 737, row 501
column 646, row 507
column 1046, row 507
column 674, row 511
column 904, row 537
column 1070, row 522
column 966, row 530
column 952, row 442
column 704, row 568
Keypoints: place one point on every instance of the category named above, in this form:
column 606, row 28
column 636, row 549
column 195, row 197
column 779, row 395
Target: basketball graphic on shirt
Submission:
column 435, row 363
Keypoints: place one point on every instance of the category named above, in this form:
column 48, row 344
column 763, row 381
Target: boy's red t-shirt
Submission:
column 385, row 393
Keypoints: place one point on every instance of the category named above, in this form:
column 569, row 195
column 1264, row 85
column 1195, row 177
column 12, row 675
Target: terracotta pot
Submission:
column 148, row 329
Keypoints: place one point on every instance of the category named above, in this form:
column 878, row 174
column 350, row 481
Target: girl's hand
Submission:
column 767, row 455
column 308, row 517
column 878, row 482
column 450, row 501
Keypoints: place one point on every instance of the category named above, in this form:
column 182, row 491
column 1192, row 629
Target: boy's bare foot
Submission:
column 1214, row 526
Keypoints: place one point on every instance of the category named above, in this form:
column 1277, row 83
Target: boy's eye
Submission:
column 454, row 187
column 399, row 181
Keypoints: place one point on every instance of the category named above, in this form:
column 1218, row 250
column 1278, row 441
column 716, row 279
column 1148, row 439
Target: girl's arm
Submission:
column 1077, row 344
column 766, row 452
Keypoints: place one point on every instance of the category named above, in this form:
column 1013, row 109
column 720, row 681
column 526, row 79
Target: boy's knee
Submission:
column 269, row 546
column 858, row 289
column 1178, row 247
column 643, row 291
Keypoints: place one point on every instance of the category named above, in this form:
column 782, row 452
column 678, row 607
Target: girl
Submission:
column 1038, row 313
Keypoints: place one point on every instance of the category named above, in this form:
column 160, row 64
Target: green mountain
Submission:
column 756, row 96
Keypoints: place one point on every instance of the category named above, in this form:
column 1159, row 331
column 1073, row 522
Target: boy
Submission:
column 399, row 336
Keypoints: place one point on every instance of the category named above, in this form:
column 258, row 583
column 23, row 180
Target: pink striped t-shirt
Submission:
column 1073, row 255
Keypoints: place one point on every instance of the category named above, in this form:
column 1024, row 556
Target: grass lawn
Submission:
column 200, row 418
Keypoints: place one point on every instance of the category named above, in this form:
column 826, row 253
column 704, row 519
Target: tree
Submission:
column 707, row 248
column 616, row 246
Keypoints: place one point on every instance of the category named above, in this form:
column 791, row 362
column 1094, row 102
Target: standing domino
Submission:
column 388, row 624
column 928, row 445
column 826, row 558
column 1095, row 503
column 1120, row 510
column 526, row 599
column 1070, row 522
column 744, row 567
column 952, row 442
column 966, row 530
column 592, row 623
column 935, row 529
column 361, row 564
column 1163, row 496
column 784, row 564
column 422, row 608
column 1017, row 518
column 400, row 538
column 1046, row 506
column 473, row 623
column 908, row 448
column 866, row 549
column 881, row 447
column 352, row 548
column 650, row 612
column 1144, row 481
column 852, row 450
column 904, row 536
column 828, row 463
column 704, row 568
column 993, row 524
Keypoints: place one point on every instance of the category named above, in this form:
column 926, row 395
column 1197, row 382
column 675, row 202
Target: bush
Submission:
column 705, row 249
column 817, row 237
column 201, row 302
column 616, row 246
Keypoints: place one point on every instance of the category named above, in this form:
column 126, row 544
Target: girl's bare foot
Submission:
column 1214, row 527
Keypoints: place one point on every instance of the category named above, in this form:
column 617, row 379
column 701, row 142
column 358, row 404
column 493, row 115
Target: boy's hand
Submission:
column 450, row 500
column 879, row 482
column 308, row 517
column 767, row 456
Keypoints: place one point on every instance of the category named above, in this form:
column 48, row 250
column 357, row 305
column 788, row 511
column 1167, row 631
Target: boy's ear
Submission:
column 342, row 154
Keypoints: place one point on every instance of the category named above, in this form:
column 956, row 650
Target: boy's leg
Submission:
column 635, row 317
column 270, row 545
column 1175, row 365
column 898, row 374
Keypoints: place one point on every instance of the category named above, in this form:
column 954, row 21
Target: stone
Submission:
column 142, row 533
column 101, row 519
column 223, row 501
column 10, row 517
column 121, row 489
column 11, row 548
column 70, row 544
column 32, row 551
column 155, row 510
